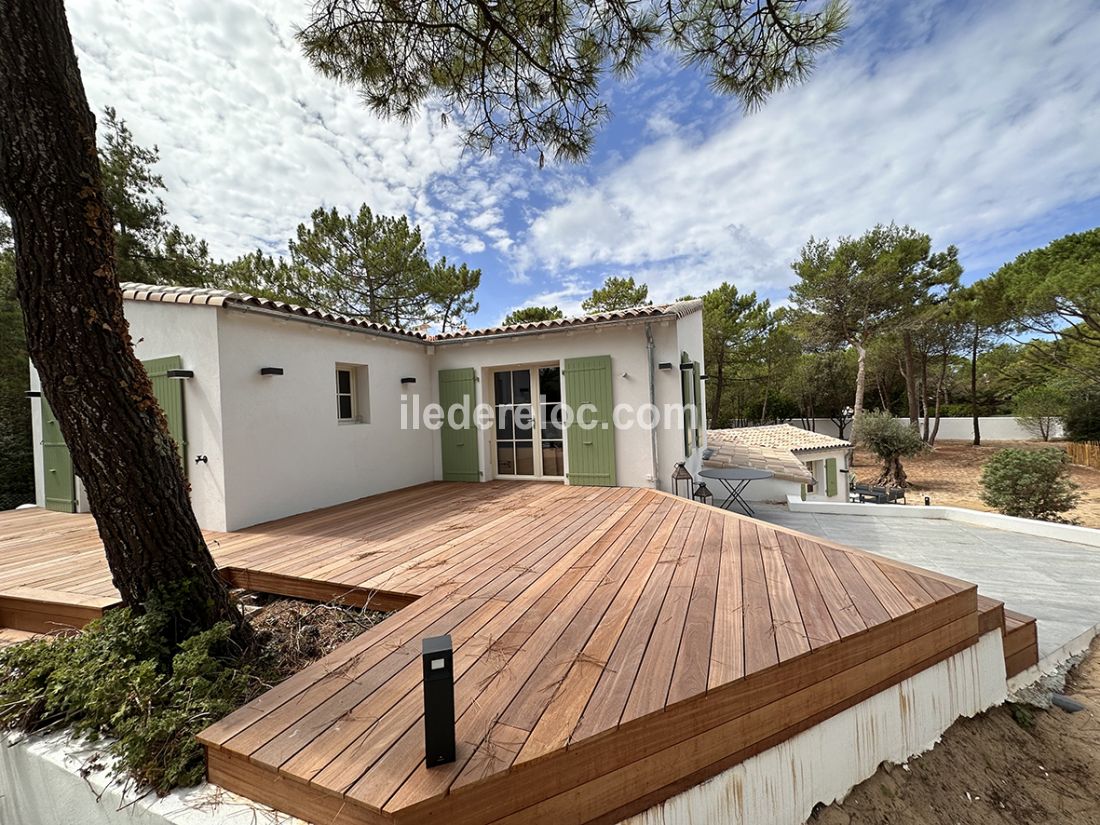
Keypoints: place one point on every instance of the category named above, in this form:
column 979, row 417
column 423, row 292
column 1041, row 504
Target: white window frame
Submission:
column 350, row 395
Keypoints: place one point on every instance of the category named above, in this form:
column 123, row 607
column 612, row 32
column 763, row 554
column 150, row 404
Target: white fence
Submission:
column 993, row 428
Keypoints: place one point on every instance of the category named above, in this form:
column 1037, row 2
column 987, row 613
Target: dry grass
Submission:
column 950, row 474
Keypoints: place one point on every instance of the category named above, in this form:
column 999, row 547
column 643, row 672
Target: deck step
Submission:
column 1021, row 639
column 1021, row 643
column 39, row 610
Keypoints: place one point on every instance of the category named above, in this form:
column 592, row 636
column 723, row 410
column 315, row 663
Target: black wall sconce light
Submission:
column 665, row 365
column 180, row 374
column 271, row 370
column 33, row 394
column 408, row 380
column 439, row 701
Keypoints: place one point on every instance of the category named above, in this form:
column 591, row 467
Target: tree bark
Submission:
column 77, row 337
column 974, row 384
column 719, row 390
column 924, row 394
column 910, row 373
column 861, row 380
column 941, row 394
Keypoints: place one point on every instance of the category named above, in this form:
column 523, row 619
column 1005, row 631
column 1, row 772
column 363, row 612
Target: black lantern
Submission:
column 681, row 476
column 702, row 494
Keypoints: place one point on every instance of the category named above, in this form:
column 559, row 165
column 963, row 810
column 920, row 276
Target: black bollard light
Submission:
column 439, row 701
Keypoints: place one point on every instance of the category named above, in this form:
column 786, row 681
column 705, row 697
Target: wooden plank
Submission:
column 689, row 678
column 650, row 690
column 842, row 610
column 816, row 619
column 558, row 723
column 608, row 700
column 761, row 651
column 727, row 656
column 863, row 597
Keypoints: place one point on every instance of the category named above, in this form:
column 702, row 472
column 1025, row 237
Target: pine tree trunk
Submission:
column 719, row 390
column 910, row 372
column 76, row 335
column 974, row 384
column 861, row 380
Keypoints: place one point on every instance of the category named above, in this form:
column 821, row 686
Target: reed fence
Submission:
column 1086, row 453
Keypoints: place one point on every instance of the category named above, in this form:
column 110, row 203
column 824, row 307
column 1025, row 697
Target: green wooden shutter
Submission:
column 57, row 465
column 803, row 491
column 169, row 395
column 830, row 476
column 591, row 452
column 685, row 396
column 459, row 444
column 698, row 401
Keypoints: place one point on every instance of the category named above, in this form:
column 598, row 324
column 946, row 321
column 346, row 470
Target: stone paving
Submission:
column 1057, row 582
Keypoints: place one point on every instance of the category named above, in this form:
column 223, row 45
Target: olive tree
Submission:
column 891, row 439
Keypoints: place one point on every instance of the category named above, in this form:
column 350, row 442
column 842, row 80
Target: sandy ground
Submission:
column 1011, row 766
column 950, row 473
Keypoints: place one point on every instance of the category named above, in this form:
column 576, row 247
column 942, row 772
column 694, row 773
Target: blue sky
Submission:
column 978, row 122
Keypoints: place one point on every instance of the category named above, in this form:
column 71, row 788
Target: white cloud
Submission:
column 251, row 138
column 968, row 133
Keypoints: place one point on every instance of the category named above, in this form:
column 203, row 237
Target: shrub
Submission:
column 113, row 680
column 891, row 439
column 1039, row 409
column 1082, row 421
column 1029, row 483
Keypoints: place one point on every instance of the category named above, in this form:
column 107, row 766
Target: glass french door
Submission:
column 528, row 422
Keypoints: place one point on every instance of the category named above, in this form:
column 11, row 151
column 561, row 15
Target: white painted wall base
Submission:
column 41, row 784
column 782, row 785
column 980, row 518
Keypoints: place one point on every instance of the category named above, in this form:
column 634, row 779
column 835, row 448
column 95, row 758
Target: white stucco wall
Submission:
column 816, row 460
column 285, row 450
column 993, row 428
column 274, row 447
column 191, row 332
column 162, row 330
column 626, row 344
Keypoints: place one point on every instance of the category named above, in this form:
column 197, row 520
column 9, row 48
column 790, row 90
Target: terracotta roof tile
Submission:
column 220, row 297
column 782, row 436
column 782, row 462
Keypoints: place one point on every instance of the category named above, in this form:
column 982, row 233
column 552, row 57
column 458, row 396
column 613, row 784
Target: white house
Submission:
column 804, row 463
column 281, row 409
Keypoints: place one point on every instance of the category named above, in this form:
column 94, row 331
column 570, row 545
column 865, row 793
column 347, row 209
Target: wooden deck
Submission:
column 613, row 646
